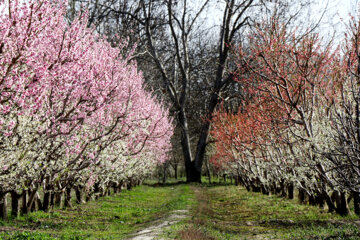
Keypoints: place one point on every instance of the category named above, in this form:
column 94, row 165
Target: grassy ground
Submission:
column 216, row 212
column 111, row 217
column 229, row 212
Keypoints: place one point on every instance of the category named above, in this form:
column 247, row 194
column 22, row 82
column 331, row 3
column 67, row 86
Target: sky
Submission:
column 336, row 18
column 337, row 15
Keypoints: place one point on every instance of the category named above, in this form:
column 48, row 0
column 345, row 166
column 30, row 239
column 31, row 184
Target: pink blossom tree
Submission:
column 68, row 100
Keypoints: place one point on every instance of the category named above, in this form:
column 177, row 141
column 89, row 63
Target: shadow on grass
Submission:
column 203, row 184
column 169, row 184
column 285, row 223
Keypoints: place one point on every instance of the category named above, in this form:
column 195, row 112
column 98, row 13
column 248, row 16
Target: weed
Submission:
column 192, row 233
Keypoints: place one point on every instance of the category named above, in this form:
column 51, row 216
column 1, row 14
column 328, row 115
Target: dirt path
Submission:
column 157, row 228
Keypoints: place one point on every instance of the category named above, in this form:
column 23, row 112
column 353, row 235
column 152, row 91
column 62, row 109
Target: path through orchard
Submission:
column 187, row 212
column 157, row 229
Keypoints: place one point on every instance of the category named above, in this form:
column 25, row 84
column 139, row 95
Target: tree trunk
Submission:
column 176, row 171
column 196, row 166
column 24, row 209
column 164, row 174
column 115, row 188
column 46, row 201
column 264, row 189
column 186, row 146
column 283, row 188
column 3, row 206
column 301, row 196
column 129, row 185
column 255, row 186
column 88, row 197
column 52, row 200
column 343, row 209
column 67, row 200
column 291, row 190
column 78, row 195
column 15, row 207
column 273, row 188
column 356, row 197
column 208, row 171
column 58, row 199
column 39, row 203
column 30, row 205
column 320, row 200
column 48, row 189
column 47, row 197
column 312, row 200
column 96, row 190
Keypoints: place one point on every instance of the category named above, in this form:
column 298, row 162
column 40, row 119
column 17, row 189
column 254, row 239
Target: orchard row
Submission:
column 73, row 110
column 298, row 125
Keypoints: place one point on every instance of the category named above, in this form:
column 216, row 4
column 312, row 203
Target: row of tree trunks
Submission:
column 337, row 202
column 30, row 199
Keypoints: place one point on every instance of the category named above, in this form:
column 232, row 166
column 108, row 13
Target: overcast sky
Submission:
column 337, row 15
column 335, row 19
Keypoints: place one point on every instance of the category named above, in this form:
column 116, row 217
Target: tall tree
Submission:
column 176, row 45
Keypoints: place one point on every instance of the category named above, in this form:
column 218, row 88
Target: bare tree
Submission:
column 184, row 56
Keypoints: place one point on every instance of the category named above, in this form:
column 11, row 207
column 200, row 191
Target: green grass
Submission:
column 111, row 217
column 217, row 211
column 229, row 212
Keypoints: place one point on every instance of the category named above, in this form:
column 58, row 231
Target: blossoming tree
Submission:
column 73, row 110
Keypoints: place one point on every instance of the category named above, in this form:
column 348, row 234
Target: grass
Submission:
column 111, row 217
column 229, row 212
column 217, row 211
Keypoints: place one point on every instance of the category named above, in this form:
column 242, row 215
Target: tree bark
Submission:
column 343, row 209
column 176, row 171
column 291, row 190
column 331, row 205
column 208, row 171
column 201, row 146
column 301, row 196
column 320, row 200
column 3, row 206
column 58, row 199
column 283, row 188
column 24, row 209
column 88, row 197
column 264, row 189
column 185, row 145
column 46, row 201
column 38, row 202
column 356, row 197
column 164, row 174
column 312, row 200
column 78, row 195
column 15, row 207
column 129, row 185
column 67, row 200
column 52, row 200
column 30, row 205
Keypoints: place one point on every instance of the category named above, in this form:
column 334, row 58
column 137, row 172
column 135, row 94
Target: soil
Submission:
column 155, row 230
